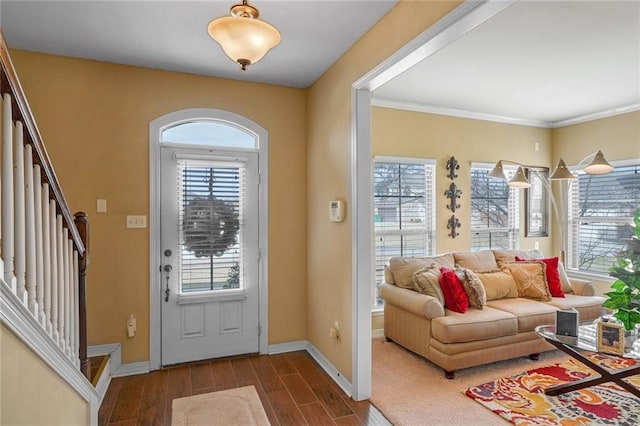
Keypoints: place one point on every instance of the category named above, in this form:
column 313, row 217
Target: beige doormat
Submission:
column 239, row 406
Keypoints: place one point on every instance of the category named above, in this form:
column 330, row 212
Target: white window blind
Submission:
column 600, row 210
column 495, row 210
column 211, row 197
column 404, row 212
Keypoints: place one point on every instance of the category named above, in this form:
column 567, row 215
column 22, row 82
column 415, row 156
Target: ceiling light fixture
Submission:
column 243, row 37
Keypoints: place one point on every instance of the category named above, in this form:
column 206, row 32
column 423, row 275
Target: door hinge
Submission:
column 259, row 329
column 259, row 255
column 259, row 178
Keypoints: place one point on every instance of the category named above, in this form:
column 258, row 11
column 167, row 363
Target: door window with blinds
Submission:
column 211, row 212
column 403, row 212
column 600, row 212
column 495, row 210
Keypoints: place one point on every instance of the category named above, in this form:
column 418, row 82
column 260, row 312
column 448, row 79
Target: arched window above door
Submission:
column 210, row 133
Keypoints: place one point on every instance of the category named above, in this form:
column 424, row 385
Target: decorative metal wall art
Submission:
column 453, row 193
column 452, row 166
column 453, row 224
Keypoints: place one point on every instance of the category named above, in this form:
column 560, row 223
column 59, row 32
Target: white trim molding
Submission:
column 280, row 348
column 155, row 129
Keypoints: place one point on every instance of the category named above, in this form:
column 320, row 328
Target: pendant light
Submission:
column 243, row 37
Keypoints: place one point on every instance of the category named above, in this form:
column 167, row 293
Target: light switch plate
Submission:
column 101, row 206
column 136, row 221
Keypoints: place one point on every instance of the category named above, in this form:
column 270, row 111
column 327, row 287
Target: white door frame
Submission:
column 262, row 136
column 461, row 20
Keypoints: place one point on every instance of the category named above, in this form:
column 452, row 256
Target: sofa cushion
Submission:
column 476, row 261
column 427, row 281
column 403, row 268
column 530, row 313
column 553, row 277
column 503, row 256
column 530, row 278
column 589, row 307
column 473, row 287
column 498, row 284
column 455, row 297
column 473, row 325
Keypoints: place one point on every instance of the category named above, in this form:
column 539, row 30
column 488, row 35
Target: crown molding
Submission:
column 431, row 109
column 595, row 116
column 452, row 112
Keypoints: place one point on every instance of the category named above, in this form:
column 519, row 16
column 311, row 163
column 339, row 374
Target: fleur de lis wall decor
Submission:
column 453, row 193
column 453, row 224
column 452, row 166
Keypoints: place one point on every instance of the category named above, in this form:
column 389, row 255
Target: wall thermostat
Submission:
column 336, row 211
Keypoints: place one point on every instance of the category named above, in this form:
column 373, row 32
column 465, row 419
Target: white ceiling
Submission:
column 172, row 35
column 539, row 62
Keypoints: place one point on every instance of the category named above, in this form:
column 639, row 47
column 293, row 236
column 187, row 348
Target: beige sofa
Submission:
column 503, row 329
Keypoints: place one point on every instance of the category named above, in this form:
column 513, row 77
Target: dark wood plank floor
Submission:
column 293, row 388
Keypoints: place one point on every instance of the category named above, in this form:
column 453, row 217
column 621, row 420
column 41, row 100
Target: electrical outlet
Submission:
column 131, row 326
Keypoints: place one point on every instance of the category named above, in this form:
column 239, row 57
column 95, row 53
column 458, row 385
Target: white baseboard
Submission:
column 117, row 368
column 330, row 369
column 132, row 368
column 279, row 348
column 377, row 333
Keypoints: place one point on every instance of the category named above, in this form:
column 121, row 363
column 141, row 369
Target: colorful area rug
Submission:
column 521, row 399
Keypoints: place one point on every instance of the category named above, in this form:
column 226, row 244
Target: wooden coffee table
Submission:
column 586, row 341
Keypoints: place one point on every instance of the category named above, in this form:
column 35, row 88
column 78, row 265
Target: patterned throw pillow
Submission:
column 455, row 298
column 427, row 281
column 498, row 284
column 553, row 277
column 473, row 287
column 530, row 278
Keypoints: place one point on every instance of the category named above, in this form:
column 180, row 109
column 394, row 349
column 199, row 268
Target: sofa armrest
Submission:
column 582, row 287
column 412, row 301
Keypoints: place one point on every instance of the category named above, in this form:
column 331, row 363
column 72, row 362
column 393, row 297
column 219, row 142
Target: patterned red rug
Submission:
column 521, row 400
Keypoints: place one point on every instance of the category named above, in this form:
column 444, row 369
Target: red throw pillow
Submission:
column 455, row 297
column 553, row 277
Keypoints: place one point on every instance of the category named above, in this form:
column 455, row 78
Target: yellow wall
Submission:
column 618, row 137
column 329, row 138
column 31, row 393
column 94, row 118
column 414, row 134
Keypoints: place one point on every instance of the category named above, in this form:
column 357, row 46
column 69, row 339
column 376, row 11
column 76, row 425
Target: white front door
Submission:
column 209, row 254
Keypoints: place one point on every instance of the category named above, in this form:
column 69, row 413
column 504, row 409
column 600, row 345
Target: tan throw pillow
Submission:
column 498, row 284
column 403, row 268
column 476, row 261
column 531, row 280
column 473, row 287
column 427, row 281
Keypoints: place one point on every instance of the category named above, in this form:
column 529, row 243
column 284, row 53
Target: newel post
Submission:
column 82, row 223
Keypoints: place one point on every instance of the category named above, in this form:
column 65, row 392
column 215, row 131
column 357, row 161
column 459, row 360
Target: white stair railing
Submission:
column 43, row 256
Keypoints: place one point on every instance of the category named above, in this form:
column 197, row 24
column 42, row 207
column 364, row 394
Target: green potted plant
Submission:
column 625, row 299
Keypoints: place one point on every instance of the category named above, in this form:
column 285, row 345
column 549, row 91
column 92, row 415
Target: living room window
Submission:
column 403, row 211
column 600, row 210
column 495, row 210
